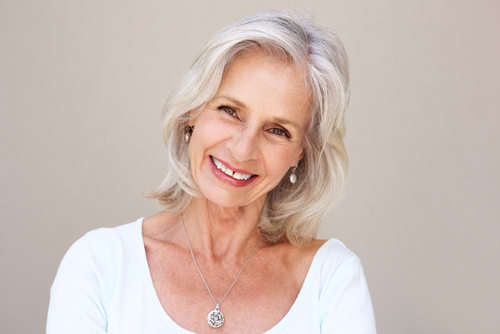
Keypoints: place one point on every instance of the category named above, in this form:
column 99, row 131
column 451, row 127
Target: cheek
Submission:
column 207, row 133
column 279, row 159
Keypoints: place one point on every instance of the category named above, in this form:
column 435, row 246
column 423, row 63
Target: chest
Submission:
column 259, row 299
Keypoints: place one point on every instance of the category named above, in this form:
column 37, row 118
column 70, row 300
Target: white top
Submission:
column 103, row 285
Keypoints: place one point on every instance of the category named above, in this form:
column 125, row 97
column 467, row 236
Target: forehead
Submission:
column 260, row 80
column 262, row 63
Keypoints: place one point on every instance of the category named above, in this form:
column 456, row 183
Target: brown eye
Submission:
column 279, row 132
column 229, row 111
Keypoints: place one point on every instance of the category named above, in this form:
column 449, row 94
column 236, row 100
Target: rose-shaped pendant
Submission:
column 215, row 318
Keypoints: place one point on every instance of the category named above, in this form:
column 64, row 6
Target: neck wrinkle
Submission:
column 222, row 234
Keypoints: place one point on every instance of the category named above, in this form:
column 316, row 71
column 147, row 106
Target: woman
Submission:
column 254, row 136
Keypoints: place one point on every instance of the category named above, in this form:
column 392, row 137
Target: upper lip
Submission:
column 231, row 167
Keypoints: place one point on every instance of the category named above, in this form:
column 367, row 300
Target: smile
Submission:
column 227, row 171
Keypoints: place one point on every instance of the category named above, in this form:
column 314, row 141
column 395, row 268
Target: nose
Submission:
column 244, row 145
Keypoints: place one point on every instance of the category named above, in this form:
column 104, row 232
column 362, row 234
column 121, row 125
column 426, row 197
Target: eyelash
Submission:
column 277, row 131
column 228, row 110
column 282, row 132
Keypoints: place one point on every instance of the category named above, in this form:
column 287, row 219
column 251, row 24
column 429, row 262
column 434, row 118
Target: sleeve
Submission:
column 345, row 301
column 78, row 297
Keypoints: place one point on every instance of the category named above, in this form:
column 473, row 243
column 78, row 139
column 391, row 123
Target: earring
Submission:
column 187, row 135
column 293, row 177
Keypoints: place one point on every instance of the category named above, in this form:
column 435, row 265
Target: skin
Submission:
column 255, row 125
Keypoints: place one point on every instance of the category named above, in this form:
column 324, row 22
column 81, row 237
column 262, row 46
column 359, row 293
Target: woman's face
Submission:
column 251, row 132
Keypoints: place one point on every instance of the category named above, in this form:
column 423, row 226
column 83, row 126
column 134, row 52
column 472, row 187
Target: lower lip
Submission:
column 229, row 179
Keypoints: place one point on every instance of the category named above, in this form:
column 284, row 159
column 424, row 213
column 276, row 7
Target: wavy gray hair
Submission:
column 291, row 212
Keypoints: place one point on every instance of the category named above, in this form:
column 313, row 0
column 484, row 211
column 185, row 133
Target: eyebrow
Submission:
column 286, row 122
column 237, row 102
column 280, row 120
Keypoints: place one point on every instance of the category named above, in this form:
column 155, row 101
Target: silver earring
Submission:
column 187, row 135
column 293, row 177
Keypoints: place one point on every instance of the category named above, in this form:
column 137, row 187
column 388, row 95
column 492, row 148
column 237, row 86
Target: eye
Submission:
column 229, row 110
column 279, row 132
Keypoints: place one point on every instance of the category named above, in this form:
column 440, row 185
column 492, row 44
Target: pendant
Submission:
column 215, row 318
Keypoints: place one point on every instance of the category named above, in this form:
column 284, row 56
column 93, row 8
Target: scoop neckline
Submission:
column 273, row 330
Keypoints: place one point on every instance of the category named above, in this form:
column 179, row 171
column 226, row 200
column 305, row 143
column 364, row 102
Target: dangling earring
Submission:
column 187, row 135
column 293, row 177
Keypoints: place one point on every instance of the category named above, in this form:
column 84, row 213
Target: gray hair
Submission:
column 291, row 212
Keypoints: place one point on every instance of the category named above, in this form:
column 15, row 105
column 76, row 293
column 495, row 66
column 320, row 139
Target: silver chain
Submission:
column 203, row 279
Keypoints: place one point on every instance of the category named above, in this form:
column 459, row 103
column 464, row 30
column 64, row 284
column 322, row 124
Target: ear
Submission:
column 298, row 158
column 191, row 119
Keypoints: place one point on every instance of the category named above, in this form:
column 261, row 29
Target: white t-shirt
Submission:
column 103, row 285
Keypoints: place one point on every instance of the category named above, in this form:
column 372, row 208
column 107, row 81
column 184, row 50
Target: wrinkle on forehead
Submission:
column 294, row 71
column 278, row 54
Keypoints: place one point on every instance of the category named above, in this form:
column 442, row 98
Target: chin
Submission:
column 225, row 198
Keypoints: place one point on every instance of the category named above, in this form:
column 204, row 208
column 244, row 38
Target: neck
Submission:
column 218, row 233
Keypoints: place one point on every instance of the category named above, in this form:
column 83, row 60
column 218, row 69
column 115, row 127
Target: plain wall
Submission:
column 82, row 88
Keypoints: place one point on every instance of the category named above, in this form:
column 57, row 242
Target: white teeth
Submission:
column 229, row 172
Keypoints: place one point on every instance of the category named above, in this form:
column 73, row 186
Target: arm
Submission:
column 346, row 303
column 79, row 294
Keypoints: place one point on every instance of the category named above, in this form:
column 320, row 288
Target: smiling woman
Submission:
column 317, row 58
column 254, row 136
column 253, row 126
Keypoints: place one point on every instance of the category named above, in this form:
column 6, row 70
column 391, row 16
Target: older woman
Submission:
column 254, row 136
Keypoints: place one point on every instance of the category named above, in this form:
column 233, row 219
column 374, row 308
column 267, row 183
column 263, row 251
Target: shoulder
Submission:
column 344, row 298
column 85, row 280
column 106, row 239
column 98, row 251
column 334, row 263
column 159, row 226
column 319, row 256
column 334, row 253
column 324, row 254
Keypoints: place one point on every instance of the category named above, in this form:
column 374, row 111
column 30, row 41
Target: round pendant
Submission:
column 215, row 318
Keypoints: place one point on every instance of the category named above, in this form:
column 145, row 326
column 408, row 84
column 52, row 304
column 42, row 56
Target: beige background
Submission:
column 83, row 83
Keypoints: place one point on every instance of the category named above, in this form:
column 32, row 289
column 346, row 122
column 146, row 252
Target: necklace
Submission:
column 215, row 318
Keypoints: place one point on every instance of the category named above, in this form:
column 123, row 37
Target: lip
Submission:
column 229, row 179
